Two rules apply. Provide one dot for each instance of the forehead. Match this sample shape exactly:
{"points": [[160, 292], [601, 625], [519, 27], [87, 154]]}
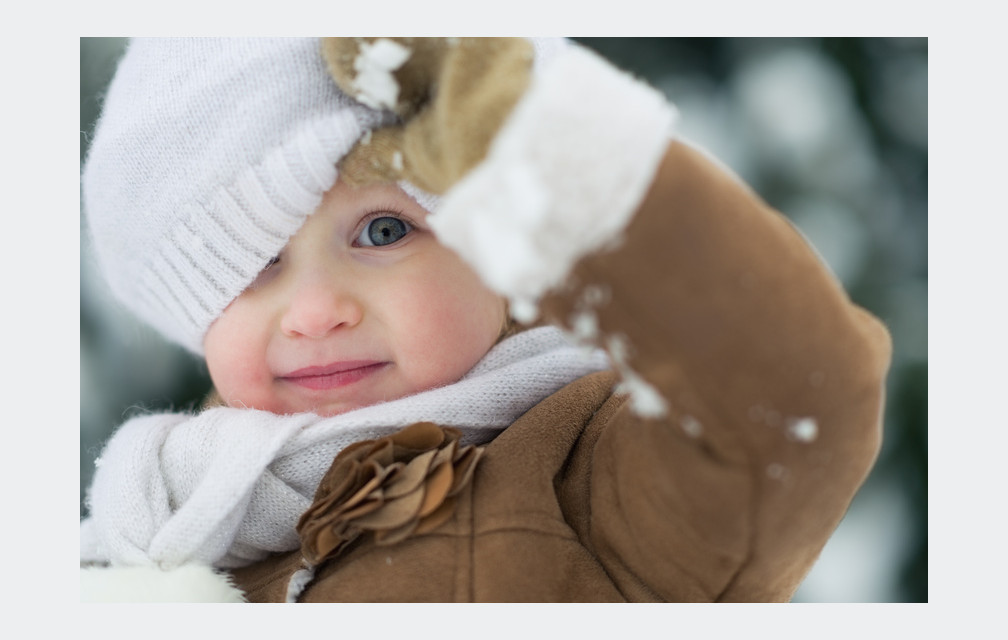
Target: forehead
{"points": [[342, 197]]}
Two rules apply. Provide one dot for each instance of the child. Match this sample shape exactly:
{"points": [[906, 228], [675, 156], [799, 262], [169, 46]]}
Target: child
{"points": [[381, 247]]}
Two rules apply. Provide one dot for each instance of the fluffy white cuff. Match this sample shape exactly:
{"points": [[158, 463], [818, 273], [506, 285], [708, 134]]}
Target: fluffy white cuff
{"points": [[188, 583], [562, 178]]}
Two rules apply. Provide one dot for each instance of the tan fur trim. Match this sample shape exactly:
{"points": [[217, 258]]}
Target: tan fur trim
{"points": [[453, 94]]}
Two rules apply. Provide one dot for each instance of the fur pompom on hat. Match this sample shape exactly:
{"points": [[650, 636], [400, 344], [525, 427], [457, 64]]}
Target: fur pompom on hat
{"points": [[208, 156]]}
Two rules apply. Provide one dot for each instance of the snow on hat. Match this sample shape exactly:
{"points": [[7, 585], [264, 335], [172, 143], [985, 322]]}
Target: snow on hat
{"points": [[208, 156]]}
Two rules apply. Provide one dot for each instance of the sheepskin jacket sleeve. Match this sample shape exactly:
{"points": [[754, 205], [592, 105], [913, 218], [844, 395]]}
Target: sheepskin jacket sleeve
{"points": [[771, 384]]}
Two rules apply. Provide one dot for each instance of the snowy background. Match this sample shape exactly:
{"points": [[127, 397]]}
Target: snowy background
{"points": [[832, 132]]}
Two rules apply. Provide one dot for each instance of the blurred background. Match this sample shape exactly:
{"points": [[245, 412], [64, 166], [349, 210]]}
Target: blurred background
{"points": [[832, 132]]}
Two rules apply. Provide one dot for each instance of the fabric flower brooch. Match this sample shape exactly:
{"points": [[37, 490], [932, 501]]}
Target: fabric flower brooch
{"points": [[401, 485]]}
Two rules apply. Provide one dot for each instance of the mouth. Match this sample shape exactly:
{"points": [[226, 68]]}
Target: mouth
{"points": [[334, 375]]}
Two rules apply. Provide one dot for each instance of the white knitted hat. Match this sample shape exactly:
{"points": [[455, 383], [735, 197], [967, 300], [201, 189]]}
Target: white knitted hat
{"points": [[208, 156]]}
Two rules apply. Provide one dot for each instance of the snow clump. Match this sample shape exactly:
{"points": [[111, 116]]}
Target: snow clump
{"points": [[375, 84], [691, 426], [584, 325], [645, 400], [803, 429]]}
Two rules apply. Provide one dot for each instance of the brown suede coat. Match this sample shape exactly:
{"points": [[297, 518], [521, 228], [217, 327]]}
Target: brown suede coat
{"points": [[731, 316]]}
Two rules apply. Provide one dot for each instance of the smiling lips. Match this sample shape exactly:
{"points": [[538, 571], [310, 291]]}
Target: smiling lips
{"points": [[335, 375]]}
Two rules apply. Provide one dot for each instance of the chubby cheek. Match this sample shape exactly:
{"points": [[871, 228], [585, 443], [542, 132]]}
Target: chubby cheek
{"points": [[235, 356], [453, 321]]}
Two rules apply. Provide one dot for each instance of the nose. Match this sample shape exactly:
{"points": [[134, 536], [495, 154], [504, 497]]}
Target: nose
{"points": [[318, 306]]}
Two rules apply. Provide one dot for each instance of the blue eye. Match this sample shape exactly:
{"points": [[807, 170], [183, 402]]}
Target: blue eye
{"points": [[383, 231]]}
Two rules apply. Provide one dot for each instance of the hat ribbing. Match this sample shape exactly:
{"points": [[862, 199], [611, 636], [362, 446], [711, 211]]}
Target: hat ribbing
{"points": [[208, 156]]}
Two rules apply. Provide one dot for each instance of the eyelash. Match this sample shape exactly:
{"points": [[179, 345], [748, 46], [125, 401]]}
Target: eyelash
{"points": [[383, 212]]}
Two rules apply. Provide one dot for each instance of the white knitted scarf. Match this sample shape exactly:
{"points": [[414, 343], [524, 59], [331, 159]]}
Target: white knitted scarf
{"points": [[226, 487]]}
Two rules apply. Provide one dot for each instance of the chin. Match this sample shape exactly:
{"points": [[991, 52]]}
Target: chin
{"points": [[328, 411]]}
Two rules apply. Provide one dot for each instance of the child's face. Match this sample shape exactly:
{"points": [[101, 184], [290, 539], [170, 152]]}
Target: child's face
{"points": [[362, 305]]}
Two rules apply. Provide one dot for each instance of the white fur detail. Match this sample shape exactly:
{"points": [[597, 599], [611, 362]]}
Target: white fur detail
{"points": [[188, 583], [562, 179], [298, 582]]}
